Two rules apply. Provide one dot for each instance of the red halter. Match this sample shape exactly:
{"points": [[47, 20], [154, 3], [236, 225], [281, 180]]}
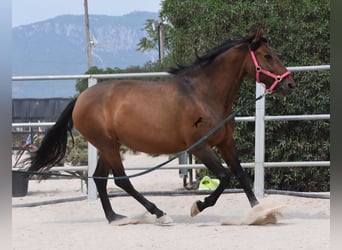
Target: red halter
{"points": [[258, 70]]}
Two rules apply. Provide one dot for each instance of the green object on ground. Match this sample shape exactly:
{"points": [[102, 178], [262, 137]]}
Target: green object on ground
{"points": [[208, 184]]}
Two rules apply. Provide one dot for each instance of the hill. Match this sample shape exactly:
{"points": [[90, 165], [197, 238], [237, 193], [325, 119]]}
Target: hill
{"points": [[57, 47]]}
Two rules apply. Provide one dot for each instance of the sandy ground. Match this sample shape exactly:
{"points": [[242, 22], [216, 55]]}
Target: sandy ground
{"points": [[82, 225]]}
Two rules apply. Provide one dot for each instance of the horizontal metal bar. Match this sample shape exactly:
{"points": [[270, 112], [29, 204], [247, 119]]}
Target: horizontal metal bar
{"points": [[49, 77], [87, 76], [130, 75], [63, 168], [298, 164], [245, 119], [297, 117], [191, 166], [201, 166], [33, 124], [244, 165], [309, 68], [48, 124], [285, 117], [69, 168], [320, 195], [238, 119], [135, 75]]}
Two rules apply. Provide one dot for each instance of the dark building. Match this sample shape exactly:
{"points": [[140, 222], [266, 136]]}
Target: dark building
{"points": [[37, 110]]}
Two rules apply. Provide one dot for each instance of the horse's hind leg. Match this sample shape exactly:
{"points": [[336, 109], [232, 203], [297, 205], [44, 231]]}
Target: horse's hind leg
{"points": [[101, 184], [125, 184]]}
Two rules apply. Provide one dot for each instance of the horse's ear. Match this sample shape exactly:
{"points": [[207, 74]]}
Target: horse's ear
{"points": [[257, 39], [258, 35]]}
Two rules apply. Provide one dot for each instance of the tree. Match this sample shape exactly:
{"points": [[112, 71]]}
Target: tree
{"points": [[82, 85], [150, 41], [200, 24], [299, 30]]}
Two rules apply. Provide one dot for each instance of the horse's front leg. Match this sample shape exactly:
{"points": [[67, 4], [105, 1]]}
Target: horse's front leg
{"points": [[205, 154], [229, 153]]}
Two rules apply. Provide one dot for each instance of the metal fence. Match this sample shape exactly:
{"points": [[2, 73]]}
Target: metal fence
{"points": [[260, 119]]}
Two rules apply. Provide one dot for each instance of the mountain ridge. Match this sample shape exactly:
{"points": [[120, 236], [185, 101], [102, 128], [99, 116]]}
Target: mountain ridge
{"points": [[57, 46]]}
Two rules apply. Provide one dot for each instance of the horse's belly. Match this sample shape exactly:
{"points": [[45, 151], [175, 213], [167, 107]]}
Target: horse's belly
{"points": [[157, 144]]}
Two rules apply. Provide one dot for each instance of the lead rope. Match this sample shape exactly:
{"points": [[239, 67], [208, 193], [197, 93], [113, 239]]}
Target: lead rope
{"points": [[199, 141]]}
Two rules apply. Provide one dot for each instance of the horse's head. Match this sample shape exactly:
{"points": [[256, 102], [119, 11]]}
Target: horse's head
{"points": [[266, 68]]}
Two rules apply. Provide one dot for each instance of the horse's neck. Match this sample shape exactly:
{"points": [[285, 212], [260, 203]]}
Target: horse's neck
{"points": [[223, 80]]}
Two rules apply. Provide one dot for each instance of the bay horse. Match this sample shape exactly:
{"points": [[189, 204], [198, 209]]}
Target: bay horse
{"points": [[168, 117]]}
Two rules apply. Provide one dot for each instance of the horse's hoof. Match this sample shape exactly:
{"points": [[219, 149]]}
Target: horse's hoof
{"points": [[194, 210], [118, 220], [164, 220]]}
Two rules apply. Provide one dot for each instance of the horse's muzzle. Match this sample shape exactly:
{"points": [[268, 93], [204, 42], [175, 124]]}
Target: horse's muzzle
{"points": [[286, 87]]}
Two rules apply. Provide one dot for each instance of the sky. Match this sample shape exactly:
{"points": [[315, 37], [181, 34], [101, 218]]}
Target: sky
{"points": [[31, 11]]}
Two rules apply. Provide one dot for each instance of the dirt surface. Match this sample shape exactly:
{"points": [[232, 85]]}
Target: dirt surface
{"points": [[81, 224]]}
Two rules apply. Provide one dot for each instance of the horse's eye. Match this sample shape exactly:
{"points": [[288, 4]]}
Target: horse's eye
{"points": [[268, 57]]}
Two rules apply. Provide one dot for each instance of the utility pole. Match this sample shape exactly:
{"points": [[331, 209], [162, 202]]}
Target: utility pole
{"points": [[92, 152], [86, 19], [161, 39]]}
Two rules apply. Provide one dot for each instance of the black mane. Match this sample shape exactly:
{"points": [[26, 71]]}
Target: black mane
{"points": [[210, 55]]}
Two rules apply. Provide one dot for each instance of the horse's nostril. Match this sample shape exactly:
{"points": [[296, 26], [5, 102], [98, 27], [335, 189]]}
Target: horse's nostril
{"points": [[291, 85]]}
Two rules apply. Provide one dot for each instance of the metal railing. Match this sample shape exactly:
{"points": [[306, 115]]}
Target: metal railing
{"points": [[260, 118]]}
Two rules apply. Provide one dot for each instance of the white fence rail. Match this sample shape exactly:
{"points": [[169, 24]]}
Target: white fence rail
{"points": [[260, 118]]}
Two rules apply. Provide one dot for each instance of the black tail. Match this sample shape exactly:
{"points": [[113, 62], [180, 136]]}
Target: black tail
{"points": [[54, 144]]}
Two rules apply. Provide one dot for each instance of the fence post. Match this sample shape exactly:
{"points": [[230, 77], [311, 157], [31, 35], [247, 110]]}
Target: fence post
{"points": [[259, 152], [183, 173], [92, 159]]}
